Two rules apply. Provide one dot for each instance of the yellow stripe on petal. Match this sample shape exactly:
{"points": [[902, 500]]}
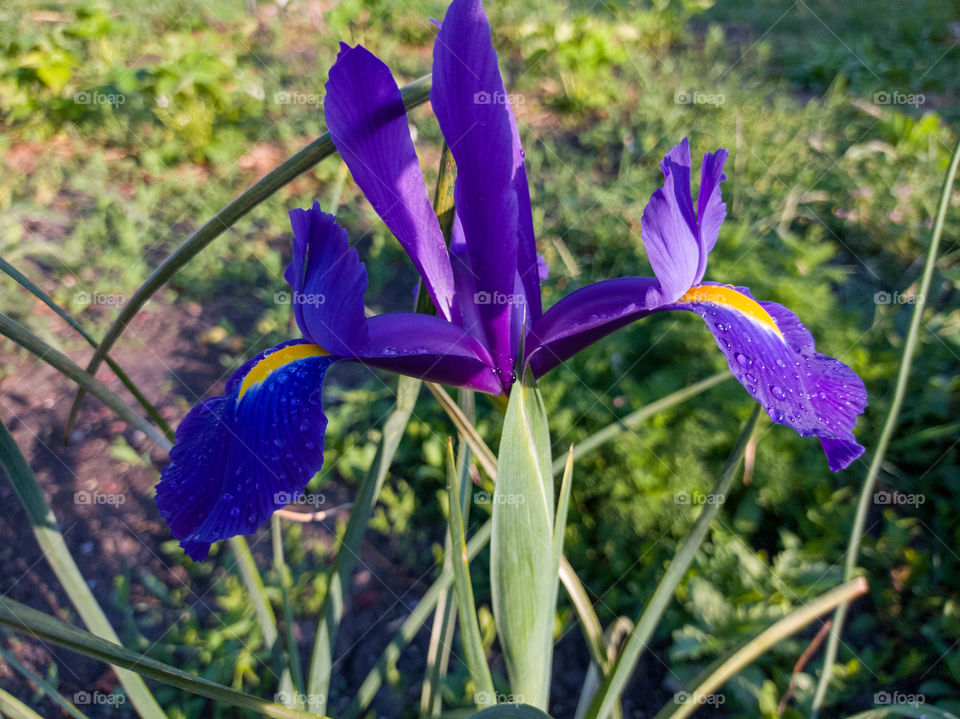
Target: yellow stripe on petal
{"points": [[275, 360], [731, 299]]}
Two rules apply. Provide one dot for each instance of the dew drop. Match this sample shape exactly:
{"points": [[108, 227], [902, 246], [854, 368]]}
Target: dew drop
{"points": [[780, 363], [743, 360], [235, 512], [778, 392]]}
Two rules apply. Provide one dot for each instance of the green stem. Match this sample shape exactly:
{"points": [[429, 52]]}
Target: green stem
{"points": [[416, 93], [609, 694], [65, 316], [48, 629], [890, 425], [756, 647], [286, 585]]}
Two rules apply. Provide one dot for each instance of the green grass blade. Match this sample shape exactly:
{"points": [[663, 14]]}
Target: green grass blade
{"points": [[286, 584], [26, 339], [65, 316], [48, 629], [42, 684], [250, 574], [416, 93], [748, 653], [55, 551], [627, 423], [473, 652], [609, 694], [444, 619], [592, 629], [889, 426], [318, 681], [410, 627], [13, 708]]}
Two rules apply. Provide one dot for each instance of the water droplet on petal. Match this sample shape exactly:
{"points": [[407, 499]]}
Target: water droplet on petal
{"points": [[778, 392], [743, 360]]}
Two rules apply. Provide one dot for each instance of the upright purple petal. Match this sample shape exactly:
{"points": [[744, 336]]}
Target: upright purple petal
{"points": [[241, 456], [711, 210], [471, 105], [327, 282], [368, 124]]}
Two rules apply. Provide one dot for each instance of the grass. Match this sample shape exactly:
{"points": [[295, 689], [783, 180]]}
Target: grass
{"points": [[829, 196]]}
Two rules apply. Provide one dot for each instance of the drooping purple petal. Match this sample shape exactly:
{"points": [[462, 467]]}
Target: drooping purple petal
{"points": [[587, 315], [471, 105], [432, 349], [241, 456], [327, 282], [368, 123], [773, 356]]}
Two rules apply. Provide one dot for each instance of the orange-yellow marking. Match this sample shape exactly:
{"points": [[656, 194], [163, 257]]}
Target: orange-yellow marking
{"points": [[729, 297], [275, 360]]}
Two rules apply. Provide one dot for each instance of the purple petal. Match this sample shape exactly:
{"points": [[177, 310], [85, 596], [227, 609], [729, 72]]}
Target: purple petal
{"points": [[368, 124], [711, 210], [471, 106], [327, 281], [240, 457], [430, 348], [587, 315], [773, 356]]}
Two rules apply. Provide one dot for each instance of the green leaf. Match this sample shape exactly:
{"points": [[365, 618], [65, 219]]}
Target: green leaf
{"points": [[65, 316], [48, 629], [889, 427], [55, 551], [13, 708], [26, 339], [331, 613], [42, 684], [609, 694], [686, 703], [523, 568], [469, 629]]}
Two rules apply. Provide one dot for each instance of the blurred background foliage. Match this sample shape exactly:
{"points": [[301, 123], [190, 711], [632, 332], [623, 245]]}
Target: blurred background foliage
{"points": [[125, 126]]}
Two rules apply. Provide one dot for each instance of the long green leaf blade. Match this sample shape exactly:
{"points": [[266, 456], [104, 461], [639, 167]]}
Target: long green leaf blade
{"points": [[26, 339], [609, 694], [55, 551], [469, 628], [46, 628], [331, 613], [889, 426]]}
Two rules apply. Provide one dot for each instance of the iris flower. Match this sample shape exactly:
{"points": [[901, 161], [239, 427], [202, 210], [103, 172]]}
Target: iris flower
{"points": [[241, 456]]}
